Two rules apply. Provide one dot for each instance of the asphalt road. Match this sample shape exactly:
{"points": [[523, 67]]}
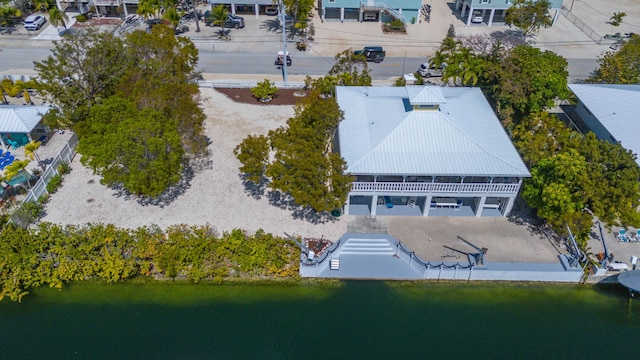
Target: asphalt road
{"points": [[216, 62]]}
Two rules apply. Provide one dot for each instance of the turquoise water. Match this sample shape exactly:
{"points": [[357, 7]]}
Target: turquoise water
{"points": [[307, 320]]}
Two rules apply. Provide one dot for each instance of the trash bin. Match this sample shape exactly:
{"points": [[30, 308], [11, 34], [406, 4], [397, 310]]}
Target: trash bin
{"points": [[336, 213]]}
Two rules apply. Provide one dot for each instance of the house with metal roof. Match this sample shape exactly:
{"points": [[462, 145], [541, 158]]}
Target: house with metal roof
{"points": [[426, 151], [19, 122], [611, 112]]}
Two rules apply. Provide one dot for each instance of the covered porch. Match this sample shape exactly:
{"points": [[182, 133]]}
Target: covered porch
{"points": [[20, 124], [394, 205]]}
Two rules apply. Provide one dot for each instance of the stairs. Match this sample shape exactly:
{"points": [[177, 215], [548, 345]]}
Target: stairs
{"points": [[368, 246]]}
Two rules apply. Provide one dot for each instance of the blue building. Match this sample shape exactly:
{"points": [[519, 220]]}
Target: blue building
{"points": [[491, 12], [370, 10]]}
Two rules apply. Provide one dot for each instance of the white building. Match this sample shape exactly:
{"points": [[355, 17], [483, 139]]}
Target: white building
{"points": [[426, 151], [611, 112]]}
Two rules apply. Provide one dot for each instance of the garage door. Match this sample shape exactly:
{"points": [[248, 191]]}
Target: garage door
{"points": [[332, 13]]}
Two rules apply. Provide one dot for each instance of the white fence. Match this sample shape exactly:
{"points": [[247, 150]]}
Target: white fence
{"points": [[65, 155]]}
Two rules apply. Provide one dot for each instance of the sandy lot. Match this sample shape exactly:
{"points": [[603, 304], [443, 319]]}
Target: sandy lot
{"points": [[216, 194]]}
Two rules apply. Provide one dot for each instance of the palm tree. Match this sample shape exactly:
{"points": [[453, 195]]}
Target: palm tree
{"points": [[30, 150], [173, 16], [148, 8], [16, 168], [57, 17], [220, 15]]}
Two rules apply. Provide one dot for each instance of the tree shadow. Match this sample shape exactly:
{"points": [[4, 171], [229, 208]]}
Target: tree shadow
{"points": [[286, 202], [171, 193], [255, 190], [271, 25]]}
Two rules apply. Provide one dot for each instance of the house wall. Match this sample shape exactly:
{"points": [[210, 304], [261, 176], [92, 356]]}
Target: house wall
{"points": [[593, 123], [503, 4], [409, 8]]}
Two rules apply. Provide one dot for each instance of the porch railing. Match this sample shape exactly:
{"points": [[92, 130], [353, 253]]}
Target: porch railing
{"points": [[435, 187]]}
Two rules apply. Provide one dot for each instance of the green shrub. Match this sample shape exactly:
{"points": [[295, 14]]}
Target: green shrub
{"points": [[401, 81], [81, 18], [64, 168], [265, 90], [396, 24], [27, 214], [54, 183]]}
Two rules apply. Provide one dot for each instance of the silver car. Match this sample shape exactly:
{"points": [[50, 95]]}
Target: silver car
{"points": [[426, 70], [34, 22]]}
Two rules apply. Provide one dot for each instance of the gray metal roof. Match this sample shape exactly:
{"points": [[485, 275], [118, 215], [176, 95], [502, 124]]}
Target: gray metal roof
{"points": [[381, 134], [616, 107], [20, 118]]}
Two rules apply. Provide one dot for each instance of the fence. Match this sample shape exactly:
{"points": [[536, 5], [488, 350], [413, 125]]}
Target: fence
{"points": [[40, 188], [582, 26], [247, 84]]}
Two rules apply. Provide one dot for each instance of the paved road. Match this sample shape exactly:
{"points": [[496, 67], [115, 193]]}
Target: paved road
{"points": [[217, 62]]}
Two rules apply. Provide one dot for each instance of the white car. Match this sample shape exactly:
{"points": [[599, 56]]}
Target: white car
{"points": [[427, 70], [477, 19], [34, 22]]}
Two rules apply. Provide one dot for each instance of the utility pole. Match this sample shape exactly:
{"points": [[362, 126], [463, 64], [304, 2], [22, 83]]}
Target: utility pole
{"points": [[284, 41]]}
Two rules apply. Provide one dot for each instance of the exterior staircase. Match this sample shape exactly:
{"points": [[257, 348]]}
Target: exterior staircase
{"points": [[371, 5], [368, 246]]}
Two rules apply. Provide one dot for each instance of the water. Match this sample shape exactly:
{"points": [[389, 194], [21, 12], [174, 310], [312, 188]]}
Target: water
{"points": [[309, 320]]}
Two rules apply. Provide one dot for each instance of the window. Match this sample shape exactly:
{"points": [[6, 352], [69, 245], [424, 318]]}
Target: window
{"points": [[485, 1], [332, 1]]}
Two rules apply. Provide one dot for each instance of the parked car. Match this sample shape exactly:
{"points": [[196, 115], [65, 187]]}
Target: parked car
{"points": [[233, 21], [477, 18], [271, 10], [427, 70], [372, 53], [34, 22], [280, 59]]}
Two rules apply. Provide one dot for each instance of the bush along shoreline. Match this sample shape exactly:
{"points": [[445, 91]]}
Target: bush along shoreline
{"points": [[53, 255]]}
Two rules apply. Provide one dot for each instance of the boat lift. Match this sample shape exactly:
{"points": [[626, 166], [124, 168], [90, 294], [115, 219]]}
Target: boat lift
{"points": [[474, 258]]}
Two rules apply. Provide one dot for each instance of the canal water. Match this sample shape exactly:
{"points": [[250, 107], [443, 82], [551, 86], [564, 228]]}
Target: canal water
{"points": [[311, 320]]}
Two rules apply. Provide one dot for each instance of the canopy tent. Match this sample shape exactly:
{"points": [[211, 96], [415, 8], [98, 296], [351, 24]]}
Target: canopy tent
{"points": [[21, 119]]}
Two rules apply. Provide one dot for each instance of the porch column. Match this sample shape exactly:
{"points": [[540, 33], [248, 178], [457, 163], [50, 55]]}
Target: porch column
{"points": [[555, 17], [341, 14], [493, 11], [483, 198], [256, 7], [4, 146], [124, 7], [469, 16], [507, 209], [374, 205], [360, 15], [427, 206], [346, 206], [233, 8], [464, 10]]}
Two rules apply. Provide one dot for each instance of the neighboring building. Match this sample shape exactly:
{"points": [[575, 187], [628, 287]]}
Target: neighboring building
{"points": [[493, 11], [370, 10], [20, 124], [245, 7], [611, 111], [426, 151]]}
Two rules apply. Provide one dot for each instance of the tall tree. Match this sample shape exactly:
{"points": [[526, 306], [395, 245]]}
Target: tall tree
{"points": [[301, 162], [620, 67], [558, 189], [82, 70], [138, 149], [58, 17], [529, 16], [527, 80]]}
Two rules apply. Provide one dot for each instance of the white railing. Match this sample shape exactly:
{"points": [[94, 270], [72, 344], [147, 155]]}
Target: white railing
{"points": [[40, 188], [435, 187]]}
